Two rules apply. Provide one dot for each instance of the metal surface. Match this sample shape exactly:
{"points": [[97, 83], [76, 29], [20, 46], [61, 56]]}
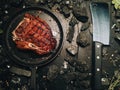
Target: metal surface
{"points": [[101, 22]]}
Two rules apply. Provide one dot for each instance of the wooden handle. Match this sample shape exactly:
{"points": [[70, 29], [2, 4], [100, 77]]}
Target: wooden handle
{"points": [[97, 72]]}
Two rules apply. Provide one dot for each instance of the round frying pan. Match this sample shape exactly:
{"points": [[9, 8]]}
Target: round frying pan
{"points": [[30, 58]]}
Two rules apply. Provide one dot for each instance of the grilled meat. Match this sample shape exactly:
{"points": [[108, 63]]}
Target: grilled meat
{"points": [[33, 33]]}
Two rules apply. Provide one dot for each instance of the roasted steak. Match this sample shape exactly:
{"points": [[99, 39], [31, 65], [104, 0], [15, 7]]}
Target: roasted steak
{"points": [[33, 33]]}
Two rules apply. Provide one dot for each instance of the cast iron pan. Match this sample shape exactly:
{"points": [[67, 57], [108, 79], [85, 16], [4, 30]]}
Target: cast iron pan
{"points": [[30, 58]]}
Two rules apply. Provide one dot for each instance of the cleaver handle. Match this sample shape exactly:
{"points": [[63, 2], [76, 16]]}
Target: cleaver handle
{"points": [[97, 65]]}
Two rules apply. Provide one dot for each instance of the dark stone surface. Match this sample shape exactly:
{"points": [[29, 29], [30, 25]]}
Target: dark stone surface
{"points": [[66, 72]]}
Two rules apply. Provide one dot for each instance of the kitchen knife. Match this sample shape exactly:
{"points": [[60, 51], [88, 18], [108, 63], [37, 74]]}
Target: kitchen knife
{"points": [[101, 35]]}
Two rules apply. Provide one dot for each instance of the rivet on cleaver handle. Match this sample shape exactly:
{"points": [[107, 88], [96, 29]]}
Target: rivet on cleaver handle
{"points": [[101, 35]]}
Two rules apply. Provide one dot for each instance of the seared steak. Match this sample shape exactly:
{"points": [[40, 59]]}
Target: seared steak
{"points": [[33, 33]]}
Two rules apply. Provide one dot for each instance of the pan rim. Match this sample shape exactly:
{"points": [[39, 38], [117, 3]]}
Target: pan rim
{"points": [[42, 62]]}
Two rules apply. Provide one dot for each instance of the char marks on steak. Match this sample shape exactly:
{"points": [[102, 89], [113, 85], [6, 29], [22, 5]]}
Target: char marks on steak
{"points": [[33, 33]]}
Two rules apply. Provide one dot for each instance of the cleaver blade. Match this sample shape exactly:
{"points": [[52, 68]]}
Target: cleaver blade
{"points": [[101, 36], [101, 22]]}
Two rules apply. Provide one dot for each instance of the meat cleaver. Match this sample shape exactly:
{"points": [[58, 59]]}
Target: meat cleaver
{"points": [[101, 35]]}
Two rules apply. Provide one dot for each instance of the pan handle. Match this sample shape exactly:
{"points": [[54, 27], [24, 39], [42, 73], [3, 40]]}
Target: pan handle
{"points": [[33, 78]]}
